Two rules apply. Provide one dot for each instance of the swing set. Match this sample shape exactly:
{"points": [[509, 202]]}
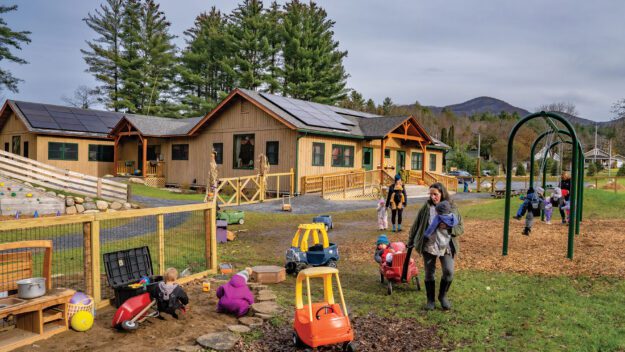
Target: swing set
{"points": [[553, 137]]}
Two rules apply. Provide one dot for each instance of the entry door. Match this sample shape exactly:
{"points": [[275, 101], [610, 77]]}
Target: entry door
{"points": [[401, 160], [367, 158], [140, 157]]}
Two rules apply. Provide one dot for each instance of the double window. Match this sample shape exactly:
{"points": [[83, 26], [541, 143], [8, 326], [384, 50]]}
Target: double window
{"points": [[342, 155], [218, 149], [62, 151], [243, 151], [272, 149], [99, 152], [319, 154], [179, 152], [416, 161], [432, 162]]}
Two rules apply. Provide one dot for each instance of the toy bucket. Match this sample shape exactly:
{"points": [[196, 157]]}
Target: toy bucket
{"points": [[85, 304]]}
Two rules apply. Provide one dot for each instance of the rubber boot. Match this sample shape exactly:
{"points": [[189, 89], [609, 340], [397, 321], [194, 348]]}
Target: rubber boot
{"points": [[526, 231], [393, 227], [430, 290], [399, 227], [442, 294]]}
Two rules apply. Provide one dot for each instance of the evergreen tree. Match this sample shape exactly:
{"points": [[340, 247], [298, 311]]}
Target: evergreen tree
{"points": [[621, 170], [520, 170], [555, 169], [103, 55], [204, 75], [274, 37], [444, 135], [592, 169], [451, 136], [313, 64], [249, 36], [353, 101], [131, 61], [9, 38], [387, 106], [370, 106], [599, 166]]}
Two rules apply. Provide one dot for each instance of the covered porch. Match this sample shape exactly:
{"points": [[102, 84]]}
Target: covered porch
{"points": [[134, 154]]}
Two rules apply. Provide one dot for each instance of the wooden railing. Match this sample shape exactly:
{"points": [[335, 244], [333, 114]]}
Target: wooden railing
{"points": [[313, 183], [499, 182], [155, 169], [415, 177], [450, 182], [90, 273], [360, 180], [126, 167], [254, 188], [50, 177]]}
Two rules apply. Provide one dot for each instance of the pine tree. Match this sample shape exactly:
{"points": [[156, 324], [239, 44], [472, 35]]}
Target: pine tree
{"points": [[370, 106], [592, 169], [131, 62], [273, 19], [520, 170], [252, 53], [353, 101], [9, 38], [103, 56], [621, 170], [387, 106], [203, 69], [451, 136], [313, 64], [444, 135]]}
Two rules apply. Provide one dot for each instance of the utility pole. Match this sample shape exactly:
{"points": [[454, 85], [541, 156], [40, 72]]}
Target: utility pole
{"points": [[595, 144], [610, 159]]}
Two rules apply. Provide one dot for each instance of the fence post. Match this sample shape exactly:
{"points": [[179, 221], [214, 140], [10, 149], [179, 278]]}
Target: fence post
{"points": [[492, 186], [160, 230], [323, 186], [128, 192], [292, 182], [210, 237], [238, 191], [95, 260], [99, 188], [344, 186], [87, 256], [479, 184], [615, 183], [596, 182]]}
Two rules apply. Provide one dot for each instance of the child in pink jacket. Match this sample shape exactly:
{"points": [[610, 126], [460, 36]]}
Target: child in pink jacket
{"points": [[235, 297]]}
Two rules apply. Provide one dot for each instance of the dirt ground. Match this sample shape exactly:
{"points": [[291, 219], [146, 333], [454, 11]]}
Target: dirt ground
{"points": [[153, 334]]}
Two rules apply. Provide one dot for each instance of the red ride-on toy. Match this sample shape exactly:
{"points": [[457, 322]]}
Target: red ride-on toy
{"points": [[393, 273], [135, 310]]}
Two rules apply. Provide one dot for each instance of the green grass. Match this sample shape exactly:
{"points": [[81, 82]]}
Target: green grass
{"points": [[152, 192]]}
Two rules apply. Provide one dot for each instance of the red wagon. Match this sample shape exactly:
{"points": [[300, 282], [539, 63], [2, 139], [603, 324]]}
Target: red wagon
{"points": [[392, 274]]}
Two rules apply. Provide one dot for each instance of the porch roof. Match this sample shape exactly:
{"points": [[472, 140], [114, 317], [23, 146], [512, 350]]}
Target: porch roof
{"points": [[151, 126]]}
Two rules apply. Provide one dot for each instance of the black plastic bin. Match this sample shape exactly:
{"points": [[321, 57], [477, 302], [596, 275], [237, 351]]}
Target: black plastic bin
{"points": [[127, 267]]}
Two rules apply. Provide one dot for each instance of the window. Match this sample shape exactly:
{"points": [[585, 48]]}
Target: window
{"points": [[179, 152], [17, 141], [387, 153], [243, 151], [416, 161], [101, 153], [319, 154], [7, 147], [272, 152], [62, 151], [218, 149], [432, 162], [25, 149], [342, 155]]}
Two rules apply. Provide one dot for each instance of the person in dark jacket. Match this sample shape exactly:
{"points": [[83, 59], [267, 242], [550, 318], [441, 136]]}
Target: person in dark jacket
{"points": [[442, 244], [396, 200], [565, 186], [533, 204], [171, 297]]}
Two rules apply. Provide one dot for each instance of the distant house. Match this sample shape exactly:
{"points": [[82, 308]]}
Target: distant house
{"points": [[603, 157], [550, 155]]}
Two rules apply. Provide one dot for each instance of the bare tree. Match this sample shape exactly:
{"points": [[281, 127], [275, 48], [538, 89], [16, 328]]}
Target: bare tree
{"points": [[563, 107], [83, 97]]}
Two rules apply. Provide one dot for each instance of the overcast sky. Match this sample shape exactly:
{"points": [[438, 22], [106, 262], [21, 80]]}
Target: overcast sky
{"points": [[527, 53]]}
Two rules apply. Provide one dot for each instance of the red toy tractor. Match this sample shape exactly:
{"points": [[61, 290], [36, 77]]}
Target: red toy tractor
{"points": [[321, 323], [393, 273]]}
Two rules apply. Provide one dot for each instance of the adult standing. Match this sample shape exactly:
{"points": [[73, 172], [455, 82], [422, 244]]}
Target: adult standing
{"points": [[565, 187], [396, 200], [442, 244]]}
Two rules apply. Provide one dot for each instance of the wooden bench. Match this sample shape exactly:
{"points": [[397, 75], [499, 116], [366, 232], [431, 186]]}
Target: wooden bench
{"points": [[38, 318]]}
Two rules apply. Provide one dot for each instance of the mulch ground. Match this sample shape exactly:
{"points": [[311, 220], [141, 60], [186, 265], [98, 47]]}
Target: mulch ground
{"points": [[598, 249], [373, 333]]}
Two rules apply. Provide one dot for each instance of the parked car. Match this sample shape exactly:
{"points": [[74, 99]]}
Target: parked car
{"points": [[462, 176]]}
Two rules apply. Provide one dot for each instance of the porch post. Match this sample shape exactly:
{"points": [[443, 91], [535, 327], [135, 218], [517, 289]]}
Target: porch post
{"points": [[382, 147], [423, 161], [144, 167], [115, 146]]}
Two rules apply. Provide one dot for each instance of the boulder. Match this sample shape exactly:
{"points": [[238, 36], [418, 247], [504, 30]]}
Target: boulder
{"points": [[62, 196], [69, 202], [40, 189], [265, 307], [50, 193], [263, 316], [80, 209], [241, 329], [110, 210], [219, 341], [136, 180], [127, 206], [91, 211], [134, 206], [101, 205], [108, 176], [252, 322], [90, 206], [79, 200], [71, 210], [88, 199], [116, 205], [266, 296]]}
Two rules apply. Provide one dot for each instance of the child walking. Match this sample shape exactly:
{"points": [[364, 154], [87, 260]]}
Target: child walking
{"points": [[382, 215], [235, 297], [171, 297], [532, 205]]}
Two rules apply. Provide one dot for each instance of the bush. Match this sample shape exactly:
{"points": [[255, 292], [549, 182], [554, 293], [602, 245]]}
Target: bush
{"points": [[621, 170], [599, 166], [555, 169], [592, 170], [520, 170]]}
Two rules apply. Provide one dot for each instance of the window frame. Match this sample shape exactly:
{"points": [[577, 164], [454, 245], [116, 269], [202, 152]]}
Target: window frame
{"points": [[99, 153], [219, 153], [322, 154], [341, 155], [178, 157], [235, 159], [63, 151], [432, 158], [277, 152], [417, 162], [16, 145], [26, 149]]}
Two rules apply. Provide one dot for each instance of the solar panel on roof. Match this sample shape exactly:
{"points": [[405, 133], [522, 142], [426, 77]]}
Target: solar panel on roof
{"points": [[308, 113], [68, 119], [45, 125]]}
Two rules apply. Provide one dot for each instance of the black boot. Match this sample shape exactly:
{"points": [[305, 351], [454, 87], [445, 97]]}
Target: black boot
{"points": [[430, 289], [526, 231], [442, 294]]}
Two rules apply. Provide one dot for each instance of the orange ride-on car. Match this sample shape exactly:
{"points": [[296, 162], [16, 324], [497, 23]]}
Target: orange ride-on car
{"points": [[321, 323], [392, 273]]}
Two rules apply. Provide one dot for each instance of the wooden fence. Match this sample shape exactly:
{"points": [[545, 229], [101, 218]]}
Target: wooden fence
{"points": [[93, 224], [496, 181], [234, 191], [38, 173]]}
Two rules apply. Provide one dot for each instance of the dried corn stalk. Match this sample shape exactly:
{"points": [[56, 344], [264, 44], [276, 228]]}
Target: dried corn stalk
{"points": [[212, 180]]}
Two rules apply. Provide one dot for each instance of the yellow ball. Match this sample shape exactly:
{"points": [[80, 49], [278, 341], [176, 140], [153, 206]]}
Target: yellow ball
{"points": [[29, 195], [82, 321]]}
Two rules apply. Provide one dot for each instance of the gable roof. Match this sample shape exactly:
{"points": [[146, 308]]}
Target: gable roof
{"points": [[159, 126]]}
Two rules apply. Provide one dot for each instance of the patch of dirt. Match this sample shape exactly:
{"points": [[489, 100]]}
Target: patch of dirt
{"points": [[153, 334], [612, 185], [372, 333]]}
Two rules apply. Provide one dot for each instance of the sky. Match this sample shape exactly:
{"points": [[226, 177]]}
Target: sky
{"points": [[527, 53]]}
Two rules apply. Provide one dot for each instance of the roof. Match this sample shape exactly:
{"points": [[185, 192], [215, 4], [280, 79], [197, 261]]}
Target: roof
{"points": [[380, 126], [599, 153], [161, 126]]}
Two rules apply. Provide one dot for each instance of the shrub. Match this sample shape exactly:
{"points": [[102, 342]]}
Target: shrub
{"points": [[592, 169], [621, 170], [520, 170]]}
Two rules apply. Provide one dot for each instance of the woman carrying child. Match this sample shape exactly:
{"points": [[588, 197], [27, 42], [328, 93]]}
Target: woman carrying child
{"points": [[442, 242]]}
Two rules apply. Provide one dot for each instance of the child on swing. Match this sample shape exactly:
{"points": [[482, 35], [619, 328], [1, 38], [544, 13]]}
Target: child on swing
{"points": [[532, 205]]}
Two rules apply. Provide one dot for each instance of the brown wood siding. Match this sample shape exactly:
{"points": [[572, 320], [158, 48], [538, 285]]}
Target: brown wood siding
{"points": [[306, 168], [82, 165], [15, 127], [221, 129]]}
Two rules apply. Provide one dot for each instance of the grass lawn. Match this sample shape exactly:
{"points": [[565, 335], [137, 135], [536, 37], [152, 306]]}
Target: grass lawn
{"points": [[153, 192]]}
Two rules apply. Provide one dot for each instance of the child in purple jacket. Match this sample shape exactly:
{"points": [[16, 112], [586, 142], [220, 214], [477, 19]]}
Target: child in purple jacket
{"points": [[235, 297]]}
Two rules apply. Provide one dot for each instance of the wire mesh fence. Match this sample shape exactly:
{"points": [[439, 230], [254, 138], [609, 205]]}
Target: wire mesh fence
{"points": [[185, 243]]}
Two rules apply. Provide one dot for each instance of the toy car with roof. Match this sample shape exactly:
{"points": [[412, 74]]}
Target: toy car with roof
{"points": [[324, 219], [321, 323], [303, 254], [232, 216], [392, 273]]}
